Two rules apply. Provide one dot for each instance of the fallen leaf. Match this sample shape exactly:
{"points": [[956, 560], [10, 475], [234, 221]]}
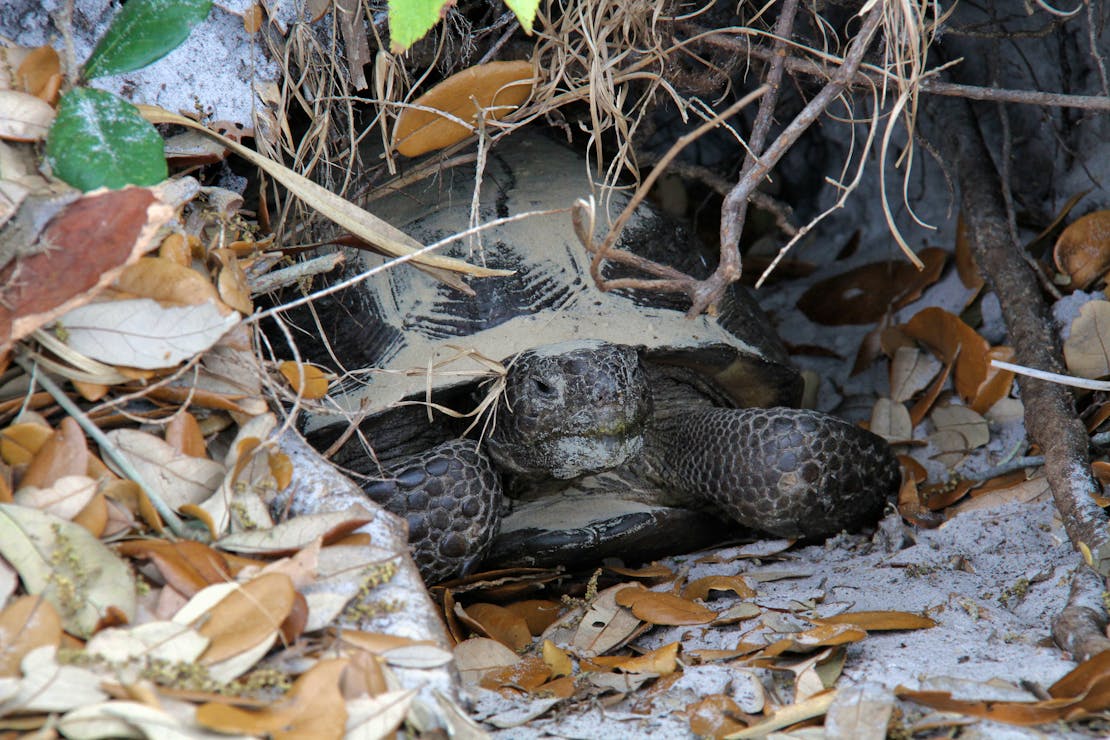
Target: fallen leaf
{"points": [[538, 614], [1087, 348], [557, 659], [891, 421], [183, 434], [313, 384], [880, 621], [63, 454], [168, 282], [700, 588], [74, 571], [27, 623], [142, 333], [956, 343], [313, 708], [971, 426], [865, 294], [823, 635], [1082, 251], [23, 116], [499, 623], [479, 655], [185, 565], [177, 478], [246, 617], [911, 371], [664, 609], [492, 90], [528, 674]]}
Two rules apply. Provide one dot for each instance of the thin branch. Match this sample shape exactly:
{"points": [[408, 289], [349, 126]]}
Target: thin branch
{"points": [[733, 41], [709, 291]]}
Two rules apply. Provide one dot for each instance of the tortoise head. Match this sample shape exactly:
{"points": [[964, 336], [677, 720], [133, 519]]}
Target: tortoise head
{"points": [[571, 408]]}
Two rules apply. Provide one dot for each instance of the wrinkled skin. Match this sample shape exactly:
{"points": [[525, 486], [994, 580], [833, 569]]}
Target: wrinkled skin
{"points": [[586, 407]]}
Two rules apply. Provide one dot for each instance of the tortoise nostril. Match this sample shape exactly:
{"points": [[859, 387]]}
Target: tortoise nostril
{"points": [[543, 387]]}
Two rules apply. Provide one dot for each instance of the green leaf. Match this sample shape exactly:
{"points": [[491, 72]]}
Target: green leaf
{"points": [[525, 11], [409, 20], [99, 140], [143, 32]]}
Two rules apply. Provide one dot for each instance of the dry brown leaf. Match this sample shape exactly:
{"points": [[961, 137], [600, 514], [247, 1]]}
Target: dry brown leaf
{"points": [[315, 379], [527, 674], [998, 383], [183, 434], [313, 708], [65, 498], [185, 565], [231, 281], [880, 621], [971, 426], [538, 614], [664, 609], [168, 282], [95, 516], [247, 616], [64, 453], [1087, 348], [867, 293], [20, 442], [178, 248], [499, 623], [661, 661], [27, 623], [495, 87], [716, 716], [647, 572], [1082, 251], [557, 659], [890, 420], [955, 342], [40, 74], [700, 588], [478, 655], [823, 635]]}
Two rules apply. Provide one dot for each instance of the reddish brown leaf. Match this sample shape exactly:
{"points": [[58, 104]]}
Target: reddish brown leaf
{"points": [[247, 616], [27, 623], [1082, 251], [881, 621], [502, 625], [869, 292], [186, 565], [965, 263], [89, 242], [955, 342]]}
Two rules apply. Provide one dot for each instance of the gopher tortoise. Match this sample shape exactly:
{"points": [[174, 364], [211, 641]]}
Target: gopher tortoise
{"points": [[618, 427]]}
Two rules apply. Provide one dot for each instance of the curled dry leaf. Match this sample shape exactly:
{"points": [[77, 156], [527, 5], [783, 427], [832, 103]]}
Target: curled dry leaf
{"points": [[64, 453], [499, 623], [1083, 250], [20, 441], [309, 381], [183, 434], [40, 74], [823, 635], [168, 282], [664, 609], [492, 90], [185, 565], [661, 661], [557, 659], [955, 342], [529, 674], [998, 383], [715, 716], [476, 656], [538, 614], [313, 707], [27, 623], [700, 588], [867, 293], [1087, 348]]}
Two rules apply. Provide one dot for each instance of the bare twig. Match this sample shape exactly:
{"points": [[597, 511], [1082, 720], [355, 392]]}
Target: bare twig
{"points": [[1049, 409], [736, 41], [709, 291]]}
